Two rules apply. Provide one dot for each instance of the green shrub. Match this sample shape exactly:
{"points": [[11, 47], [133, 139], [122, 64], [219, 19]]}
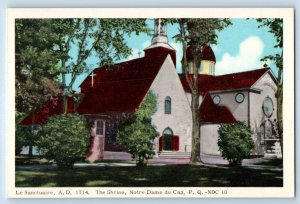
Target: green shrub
{"points": [[137, 134], [64, 138], [235, 142]]}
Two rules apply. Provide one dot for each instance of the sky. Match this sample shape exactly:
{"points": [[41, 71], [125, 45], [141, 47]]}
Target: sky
{"points": [[240, 48]]}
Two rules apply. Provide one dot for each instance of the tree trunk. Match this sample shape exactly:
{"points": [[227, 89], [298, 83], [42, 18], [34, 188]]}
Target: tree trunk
{"points": [[195, 154], [32, 134], [65, 102], [195, 157]]}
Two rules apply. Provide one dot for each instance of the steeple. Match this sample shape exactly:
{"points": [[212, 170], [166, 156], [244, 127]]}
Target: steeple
{"points": [[160, 38]]}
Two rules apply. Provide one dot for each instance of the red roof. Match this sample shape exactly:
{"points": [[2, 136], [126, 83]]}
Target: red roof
{"points": [[212, 113], [207, 54], [225, 82], [53, 106], [122, 88]]}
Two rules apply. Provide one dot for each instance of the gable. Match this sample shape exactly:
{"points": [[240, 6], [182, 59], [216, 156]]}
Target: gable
{"points": [[177, 114], [268, 79]]}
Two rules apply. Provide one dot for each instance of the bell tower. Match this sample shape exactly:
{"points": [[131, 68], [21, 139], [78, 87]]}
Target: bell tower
{"points": [[160, 38]]}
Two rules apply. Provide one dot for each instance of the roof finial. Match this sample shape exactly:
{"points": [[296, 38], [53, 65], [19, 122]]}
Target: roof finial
{"points": [[265, 63]]}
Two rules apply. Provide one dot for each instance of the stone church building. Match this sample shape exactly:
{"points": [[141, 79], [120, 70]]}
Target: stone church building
{"points": [[109, 94]]}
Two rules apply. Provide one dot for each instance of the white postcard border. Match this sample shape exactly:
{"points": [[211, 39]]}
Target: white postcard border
{"points": [[288, 103]]}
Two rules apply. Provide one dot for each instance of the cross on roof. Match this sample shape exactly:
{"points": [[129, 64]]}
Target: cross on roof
{"points": [[92, 75], [265, 62]]}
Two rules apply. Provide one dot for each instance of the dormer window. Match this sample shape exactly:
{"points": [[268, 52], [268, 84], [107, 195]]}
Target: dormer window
{"points": [[168, 105]]}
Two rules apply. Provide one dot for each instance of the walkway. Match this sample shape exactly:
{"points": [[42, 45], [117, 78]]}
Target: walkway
{"points": [[125, 159]]}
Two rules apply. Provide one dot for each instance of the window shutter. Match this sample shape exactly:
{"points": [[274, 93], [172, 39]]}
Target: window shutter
{"points": [[160, 143], [175, 143]]}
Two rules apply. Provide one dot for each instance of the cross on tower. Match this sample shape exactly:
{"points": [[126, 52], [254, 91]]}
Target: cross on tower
{"points": [[92, 75], [159, 27], [265, 63]]}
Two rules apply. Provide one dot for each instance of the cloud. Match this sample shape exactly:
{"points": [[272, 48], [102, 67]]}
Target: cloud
{"points": [[248, 58]]}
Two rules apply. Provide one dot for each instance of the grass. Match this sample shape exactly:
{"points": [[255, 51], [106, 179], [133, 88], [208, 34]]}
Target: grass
{"points": [[151, 176], [26, 160]]}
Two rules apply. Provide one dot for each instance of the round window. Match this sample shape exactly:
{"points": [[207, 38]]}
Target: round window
{"points": [[268, 107], [216, 99], [239, 97]]}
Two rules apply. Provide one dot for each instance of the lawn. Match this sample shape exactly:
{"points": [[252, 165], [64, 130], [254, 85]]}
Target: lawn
{"points": [[151, 176]]}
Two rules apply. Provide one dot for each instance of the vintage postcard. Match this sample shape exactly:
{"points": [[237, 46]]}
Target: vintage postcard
{"points": [[150, 103]]}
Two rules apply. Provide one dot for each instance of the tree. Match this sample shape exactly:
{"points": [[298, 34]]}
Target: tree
{"points": [[235, 142], [137, 134], [101, 38], [275, 26], [197, 33], [56, 49], [45, 55], [35, 83], [64, 138]]}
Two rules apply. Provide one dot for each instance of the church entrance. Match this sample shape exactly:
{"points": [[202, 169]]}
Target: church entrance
{"points": [[269, 137], [167, 140]]}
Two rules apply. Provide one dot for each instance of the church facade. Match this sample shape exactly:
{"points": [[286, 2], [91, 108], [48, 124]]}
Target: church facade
{"points": [[108, 95]]}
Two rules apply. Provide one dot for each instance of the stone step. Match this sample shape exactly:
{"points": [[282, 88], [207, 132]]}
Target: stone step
{"points": [[174, 154]]}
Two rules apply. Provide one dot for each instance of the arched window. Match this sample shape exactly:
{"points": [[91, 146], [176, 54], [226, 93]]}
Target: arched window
{"points": [[168, 105], [266, 132]]}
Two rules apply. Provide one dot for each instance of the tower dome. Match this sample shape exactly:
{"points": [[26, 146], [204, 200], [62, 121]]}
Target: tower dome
{"points": [[208, 60], [208, 54]]}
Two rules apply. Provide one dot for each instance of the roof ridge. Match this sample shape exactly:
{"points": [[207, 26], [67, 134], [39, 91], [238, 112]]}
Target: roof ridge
{"points": [[268, 68], [136, 59]]}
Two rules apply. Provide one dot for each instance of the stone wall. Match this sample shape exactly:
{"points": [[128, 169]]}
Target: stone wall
{"points": [[209, 139]]}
